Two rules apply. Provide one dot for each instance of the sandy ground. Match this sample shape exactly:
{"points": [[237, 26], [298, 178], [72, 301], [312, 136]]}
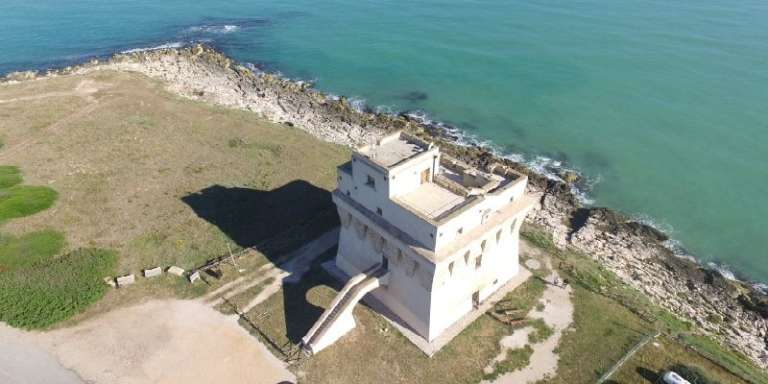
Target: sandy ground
{"points": [[558, 314], [168, 341], [161, 341], [25, 360]]}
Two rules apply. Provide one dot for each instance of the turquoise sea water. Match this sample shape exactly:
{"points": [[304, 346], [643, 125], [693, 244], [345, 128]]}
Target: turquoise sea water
{"points": [[663, 104]]}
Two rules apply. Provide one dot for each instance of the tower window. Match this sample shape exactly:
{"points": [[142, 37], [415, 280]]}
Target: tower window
{"points": [[379, 211], [460, 231], [450, 268], [478, 261], [498, 236], [370, 181], [466, 258]]}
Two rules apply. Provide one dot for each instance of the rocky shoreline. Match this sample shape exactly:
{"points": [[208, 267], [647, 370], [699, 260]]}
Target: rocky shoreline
{"points": [[733, 311]]}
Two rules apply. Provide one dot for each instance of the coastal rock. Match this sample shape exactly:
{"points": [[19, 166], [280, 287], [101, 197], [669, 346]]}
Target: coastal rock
{"points": [[634, 251], [570, 177], [21, 76]]}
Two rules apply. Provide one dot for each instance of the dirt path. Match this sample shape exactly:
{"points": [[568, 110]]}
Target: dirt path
{"points": [[557, 313], [297, 265], [161, 341], [168, 341]]}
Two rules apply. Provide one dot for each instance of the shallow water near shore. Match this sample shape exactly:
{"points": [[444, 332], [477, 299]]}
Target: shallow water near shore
{"points": [[663, 104]]}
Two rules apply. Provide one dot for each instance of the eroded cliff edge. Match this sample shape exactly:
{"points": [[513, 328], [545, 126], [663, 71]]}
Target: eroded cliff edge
{"points": [[731, 310]]}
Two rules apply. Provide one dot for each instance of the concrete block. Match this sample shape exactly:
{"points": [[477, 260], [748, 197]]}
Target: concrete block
{"points": [[193, 277], [125, 280], [174, 270], [153, 272], [110, 281]]}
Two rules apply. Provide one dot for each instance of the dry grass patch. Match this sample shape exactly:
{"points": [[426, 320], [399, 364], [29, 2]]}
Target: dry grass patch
{"points": [[374, 352], [126, 157]]}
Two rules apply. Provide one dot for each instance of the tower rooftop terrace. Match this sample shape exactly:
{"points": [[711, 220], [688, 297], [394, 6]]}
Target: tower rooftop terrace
{"points": [[394, 149]]}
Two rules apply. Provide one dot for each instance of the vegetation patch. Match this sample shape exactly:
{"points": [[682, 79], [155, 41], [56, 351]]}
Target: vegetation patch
{"points": [[49, 291], [731, 360], [23, 200], [541, 331], [9, 176], [38, 289], [515, 359], [664, 354], [29, 249], [610, 317]]}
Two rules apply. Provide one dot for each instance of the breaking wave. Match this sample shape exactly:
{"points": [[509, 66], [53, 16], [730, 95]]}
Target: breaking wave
{"points": [[545, 166], [214, 29], [175, 44]]}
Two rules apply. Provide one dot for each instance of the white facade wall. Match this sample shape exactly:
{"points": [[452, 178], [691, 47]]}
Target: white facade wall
{"points": [[452, 291], [377, 198], [410, 278]]}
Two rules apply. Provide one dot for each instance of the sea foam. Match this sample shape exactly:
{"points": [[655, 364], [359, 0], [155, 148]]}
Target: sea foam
{"points": [[175, 44], [214, 29]]}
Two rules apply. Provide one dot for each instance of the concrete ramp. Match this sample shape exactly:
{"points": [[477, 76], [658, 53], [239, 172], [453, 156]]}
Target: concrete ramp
{"points": [[337, 320]]}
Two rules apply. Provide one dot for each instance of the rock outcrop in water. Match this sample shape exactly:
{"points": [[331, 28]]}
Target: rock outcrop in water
{"points": [[731, 310]]}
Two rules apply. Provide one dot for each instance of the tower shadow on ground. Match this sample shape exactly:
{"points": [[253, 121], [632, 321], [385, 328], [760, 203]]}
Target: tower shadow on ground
{"points": [[251, 216], [258, 218]]}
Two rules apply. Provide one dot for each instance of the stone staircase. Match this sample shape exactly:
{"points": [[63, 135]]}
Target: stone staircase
{"points": [[337, 320]]}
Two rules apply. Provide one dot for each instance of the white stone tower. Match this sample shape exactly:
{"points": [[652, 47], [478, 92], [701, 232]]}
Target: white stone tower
{"points": [[428, 237]]}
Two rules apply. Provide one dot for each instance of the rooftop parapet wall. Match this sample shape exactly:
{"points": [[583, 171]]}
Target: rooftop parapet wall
{"points": [[390, 179], [394, 150]]}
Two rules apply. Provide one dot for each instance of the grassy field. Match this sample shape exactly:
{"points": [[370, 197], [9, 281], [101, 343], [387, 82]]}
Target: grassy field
{"points": [[30, 249], [374, 352], [38, 286], [160, 179], [611, 317], [654, 359], [21, 200], [9, 176], [53, 290], [24, 200]]}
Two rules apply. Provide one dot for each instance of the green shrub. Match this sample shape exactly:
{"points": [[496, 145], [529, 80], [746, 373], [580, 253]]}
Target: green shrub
{"points": [[9, 176], [24, 200], [538, 237], [29, 249], [46, 293], [541, 331], [514, 360]]}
